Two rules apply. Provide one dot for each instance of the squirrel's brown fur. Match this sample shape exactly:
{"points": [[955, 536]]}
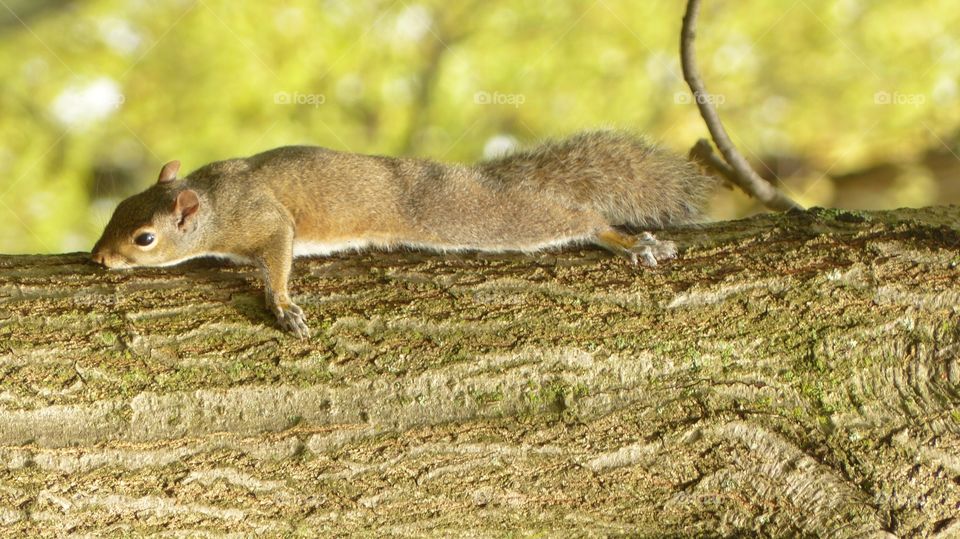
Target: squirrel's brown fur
{"points": [[308, 200], [625, 179]]}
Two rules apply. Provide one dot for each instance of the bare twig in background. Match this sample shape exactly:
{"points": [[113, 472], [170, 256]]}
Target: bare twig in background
{"points": [[739, 171], [427, 79], [18, 14], [448, 28]]}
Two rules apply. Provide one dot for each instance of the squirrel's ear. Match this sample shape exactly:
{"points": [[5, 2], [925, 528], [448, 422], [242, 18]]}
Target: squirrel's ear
{"points": [[185, 208], [169, 172]]}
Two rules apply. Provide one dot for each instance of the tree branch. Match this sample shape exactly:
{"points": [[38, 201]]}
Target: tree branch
{"points": [[740, 171], [564, 393]]}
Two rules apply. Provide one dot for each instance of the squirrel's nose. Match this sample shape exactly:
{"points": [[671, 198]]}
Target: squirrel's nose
{"points": [[98, 257]]}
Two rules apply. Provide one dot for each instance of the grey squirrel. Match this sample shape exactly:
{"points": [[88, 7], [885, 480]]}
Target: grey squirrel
{"points": [[302, 200]]}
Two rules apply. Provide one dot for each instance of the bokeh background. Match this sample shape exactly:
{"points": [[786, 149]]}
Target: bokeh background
{"points": [[850, 103]]}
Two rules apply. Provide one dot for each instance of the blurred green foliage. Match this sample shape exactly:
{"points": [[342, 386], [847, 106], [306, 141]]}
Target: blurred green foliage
{"points": [[97, 95]]}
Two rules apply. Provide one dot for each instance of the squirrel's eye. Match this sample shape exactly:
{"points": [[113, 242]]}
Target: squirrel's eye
{"points": [[144, 239]]}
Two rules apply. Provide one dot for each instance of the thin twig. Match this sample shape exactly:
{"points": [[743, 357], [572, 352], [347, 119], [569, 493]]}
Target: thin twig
{"points": [[740, 171]]}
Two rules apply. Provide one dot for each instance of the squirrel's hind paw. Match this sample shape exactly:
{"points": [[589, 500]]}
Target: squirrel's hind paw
{"points": [[649, 250], [644, 249], [292, 319]]}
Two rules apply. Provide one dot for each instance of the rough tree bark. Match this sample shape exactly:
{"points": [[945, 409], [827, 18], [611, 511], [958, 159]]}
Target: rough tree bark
{"points": [[788, 374]]}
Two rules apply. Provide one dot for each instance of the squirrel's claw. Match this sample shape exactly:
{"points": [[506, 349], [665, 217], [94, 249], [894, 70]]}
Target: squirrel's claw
{"points": [[292, 319], [652, 250], [648, 250], [644, 249]]}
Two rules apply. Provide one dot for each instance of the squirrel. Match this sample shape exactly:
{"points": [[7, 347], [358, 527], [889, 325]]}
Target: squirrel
{"points": [[266, 209]]}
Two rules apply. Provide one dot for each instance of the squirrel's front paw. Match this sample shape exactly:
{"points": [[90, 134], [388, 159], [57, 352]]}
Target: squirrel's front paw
{"points": [[648, 250], [292, 319]]}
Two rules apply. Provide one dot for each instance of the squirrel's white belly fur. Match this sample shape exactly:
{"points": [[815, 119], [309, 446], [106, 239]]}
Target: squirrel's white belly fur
{"points": [[302, 248], [320, 248]]}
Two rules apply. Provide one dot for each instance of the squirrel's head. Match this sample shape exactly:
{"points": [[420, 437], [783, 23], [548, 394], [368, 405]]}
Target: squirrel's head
{"points": [[153, 228]]}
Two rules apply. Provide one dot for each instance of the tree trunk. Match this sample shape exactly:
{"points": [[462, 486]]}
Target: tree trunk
{"points": [[788, 374]]}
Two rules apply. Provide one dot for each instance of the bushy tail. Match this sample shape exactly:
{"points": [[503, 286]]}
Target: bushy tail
{"points": [[626, 179]]}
